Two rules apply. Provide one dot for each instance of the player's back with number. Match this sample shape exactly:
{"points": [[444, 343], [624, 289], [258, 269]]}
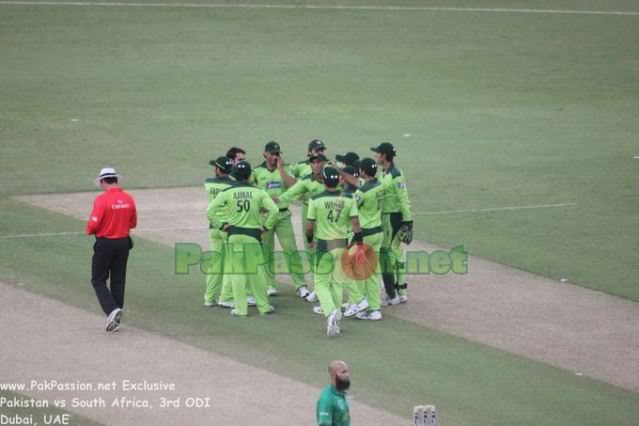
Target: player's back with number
{"points": [[332, 213], [241, 205]]}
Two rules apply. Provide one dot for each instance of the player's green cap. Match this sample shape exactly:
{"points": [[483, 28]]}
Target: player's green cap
{"points": [[317, 157], [385, 148], [349, 159], [224, 163], [241, 171], [316, 145], [331, 177], [272, 147], [369, 166]]}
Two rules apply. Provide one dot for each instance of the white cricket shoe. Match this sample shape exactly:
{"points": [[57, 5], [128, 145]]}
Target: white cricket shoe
{"points": [[356, 308], [312, 297], [403, 298], [226, 304], [271, 291], [389, 301], [235, 314], [209, 304], [332, 323], [270, 310], [318, 310], [302, 292], [113, 321], [371, 316], [251, 301]]}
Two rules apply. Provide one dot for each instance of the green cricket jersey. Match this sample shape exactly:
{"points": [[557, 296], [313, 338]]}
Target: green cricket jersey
{"points": [[332, 408], [395, 193], [307, 187], [301, 169], [241, 204], [370, 199], [270, 181], [332, 212], [214, 186]]}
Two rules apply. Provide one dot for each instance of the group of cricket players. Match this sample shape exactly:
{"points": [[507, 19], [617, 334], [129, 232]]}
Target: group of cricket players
{"points": [[355, 218]]}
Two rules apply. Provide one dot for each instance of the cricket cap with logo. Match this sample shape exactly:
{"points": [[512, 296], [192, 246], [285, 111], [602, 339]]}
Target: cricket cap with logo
{"points": [[316, 145], [385, 148], [349, 159], [331, 177], [107, 172], [223, 163], [272, 147], [242, 170], [369, 166]]}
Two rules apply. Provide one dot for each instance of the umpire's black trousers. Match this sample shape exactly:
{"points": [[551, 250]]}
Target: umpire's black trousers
{"points": [[109, 259]]}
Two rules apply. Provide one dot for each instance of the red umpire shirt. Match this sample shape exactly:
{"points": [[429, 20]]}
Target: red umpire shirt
{"points": [[113, 215]]}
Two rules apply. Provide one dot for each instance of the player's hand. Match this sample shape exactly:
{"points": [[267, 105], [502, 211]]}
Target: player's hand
{"points": [[280, 162], [226, 227], [312, 245], [276, 200], [406, 232]]}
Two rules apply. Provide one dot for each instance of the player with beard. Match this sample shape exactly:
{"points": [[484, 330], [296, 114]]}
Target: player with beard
{"points": [[332, 407]]}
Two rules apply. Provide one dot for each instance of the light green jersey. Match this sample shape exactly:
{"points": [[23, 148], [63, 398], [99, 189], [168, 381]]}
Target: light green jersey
{"points": [[395, 193], [241, 205], [301, 169], [332, 408], [270, 181], [332, 212], [370, 199], [306, 187], [214, 186]]}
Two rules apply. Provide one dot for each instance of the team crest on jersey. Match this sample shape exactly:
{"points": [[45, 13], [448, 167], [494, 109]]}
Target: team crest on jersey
{"points": [[273, 185]]}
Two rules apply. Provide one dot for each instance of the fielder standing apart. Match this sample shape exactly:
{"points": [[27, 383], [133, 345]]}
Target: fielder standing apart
{"points": [[332, 407], [113, 216]]}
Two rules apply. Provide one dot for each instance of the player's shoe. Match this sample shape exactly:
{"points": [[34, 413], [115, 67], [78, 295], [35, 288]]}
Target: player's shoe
{"points": [[270, 310], [209, 304], [113, 321], [403, 298], [251, 300], [318, 310], [271, 291], [235, 314], [356, 308], [370, 315], [332, 323], [302, 292], [389, 301], [312, 297], [226, 304]]}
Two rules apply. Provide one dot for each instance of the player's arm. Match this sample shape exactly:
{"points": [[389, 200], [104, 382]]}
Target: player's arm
{"points": [[352, 180], [271, 211], [324, 412], [286, 178], [406, 232], [310, 223], [96, 216], [216, 209], [294, 192]]}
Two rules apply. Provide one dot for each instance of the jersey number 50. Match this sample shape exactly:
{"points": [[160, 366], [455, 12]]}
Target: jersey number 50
{"points": [[243, 206]]}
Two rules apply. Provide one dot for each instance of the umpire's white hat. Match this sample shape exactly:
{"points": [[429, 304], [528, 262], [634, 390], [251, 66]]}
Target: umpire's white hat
{"points": [[107, 172]]}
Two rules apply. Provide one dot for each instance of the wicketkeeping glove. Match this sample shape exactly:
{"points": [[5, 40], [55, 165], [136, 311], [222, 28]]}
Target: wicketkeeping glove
{"points": [[406, 232]]}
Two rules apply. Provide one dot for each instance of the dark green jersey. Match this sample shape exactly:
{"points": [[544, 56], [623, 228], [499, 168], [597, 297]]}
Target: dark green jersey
{"points": [[332, 408], [370, 199], [332, 212], [395, 193], [214, 186], [241, 205], [270, 181], [306, 187]]}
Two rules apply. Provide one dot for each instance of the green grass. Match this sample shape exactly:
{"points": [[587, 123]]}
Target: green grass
{"points": [[503, 110], [396, 364]]}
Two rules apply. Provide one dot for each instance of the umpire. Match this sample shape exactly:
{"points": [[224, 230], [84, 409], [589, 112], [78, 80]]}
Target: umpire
{"points": [[113, 215]]}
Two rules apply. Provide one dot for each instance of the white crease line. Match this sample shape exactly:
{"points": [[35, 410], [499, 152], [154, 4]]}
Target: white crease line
{"points": [[327, 7], [55, 234], [494, 209]]}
